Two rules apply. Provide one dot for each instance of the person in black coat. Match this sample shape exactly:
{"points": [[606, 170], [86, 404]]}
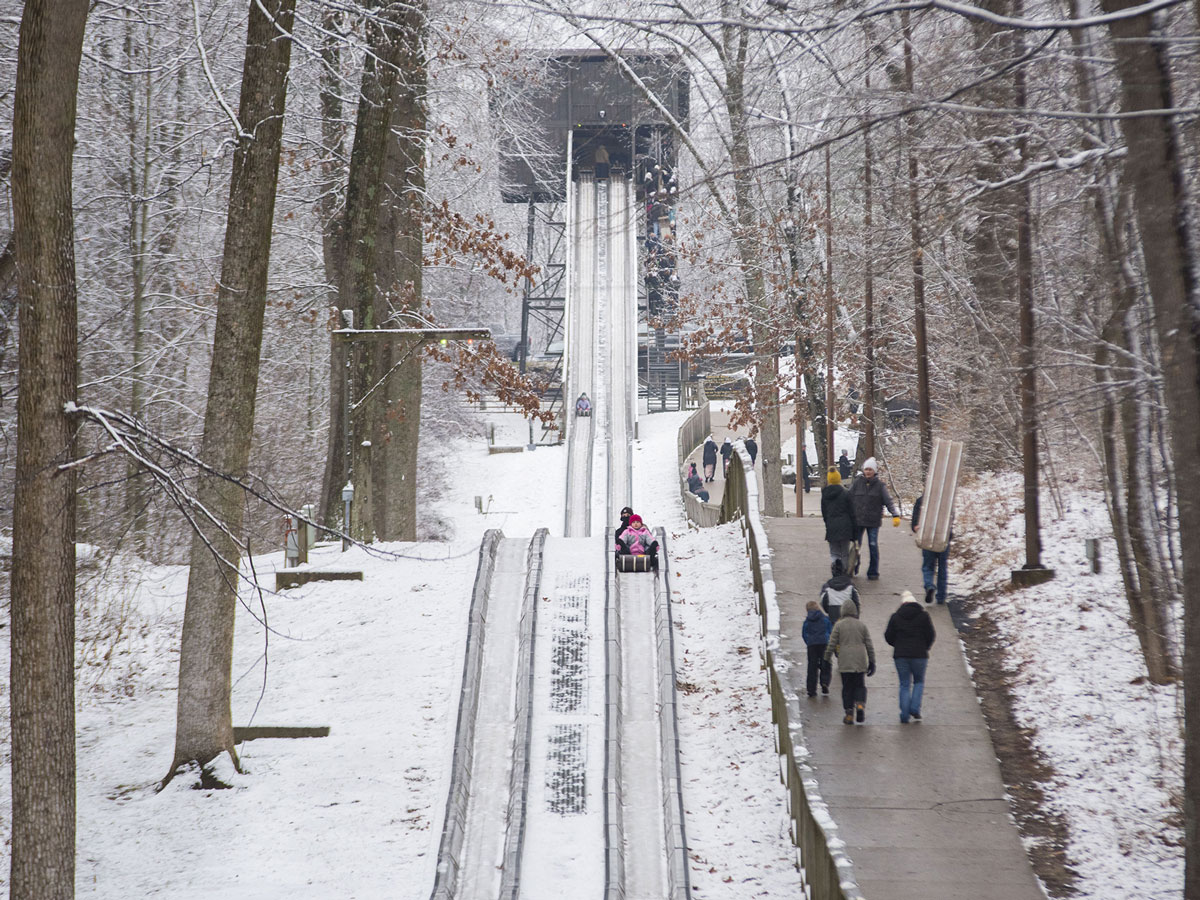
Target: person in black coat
{"points": [[845, 466], [870, 496], [726, 452], [751, 448], [710, 458], [804, 470], [838, 514], [910, 632]]}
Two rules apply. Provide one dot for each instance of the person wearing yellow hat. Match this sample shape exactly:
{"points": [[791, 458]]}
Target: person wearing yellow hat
{"points": [[838, 515]]}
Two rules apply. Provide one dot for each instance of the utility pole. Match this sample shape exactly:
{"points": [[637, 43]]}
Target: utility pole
{"points": [[800, 473], [918, 266], [1033, 572], [829, 395], [869, 291]]}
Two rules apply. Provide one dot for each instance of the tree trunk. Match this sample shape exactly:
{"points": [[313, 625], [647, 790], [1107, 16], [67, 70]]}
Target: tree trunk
{"points": [[204, 724], [917, 255], [1153, 168], [1148, 613], [868, 426], [766, 393], [42, 615], [993, 244], [366, 194], [397, 426], [333, 135]]}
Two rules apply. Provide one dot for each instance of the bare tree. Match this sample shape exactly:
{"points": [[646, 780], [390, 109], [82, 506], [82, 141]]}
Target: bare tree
{"points": [[1154, 170], [43, 576], [204, 724]]}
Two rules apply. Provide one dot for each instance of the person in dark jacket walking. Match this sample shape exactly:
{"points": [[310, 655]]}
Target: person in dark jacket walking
{"points": [[850, 642], [837, 592], [910, 632], [845, 466], [815, 632], [839, 519], [869, 495], [751, 448], [710, 459], [932, 561], [804, 471], [726, 452]]}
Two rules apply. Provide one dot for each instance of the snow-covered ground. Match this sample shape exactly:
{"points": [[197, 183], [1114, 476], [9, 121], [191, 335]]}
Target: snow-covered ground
{"points": [[1113, 740], [358, 814], [735, 807]]}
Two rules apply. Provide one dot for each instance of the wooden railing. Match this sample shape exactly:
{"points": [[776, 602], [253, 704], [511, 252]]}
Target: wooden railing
{"points": [[826, 870], [691, 435]]}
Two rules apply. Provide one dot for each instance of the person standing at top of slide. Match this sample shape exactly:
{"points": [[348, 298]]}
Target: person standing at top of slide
{"points": [[869, 495]]}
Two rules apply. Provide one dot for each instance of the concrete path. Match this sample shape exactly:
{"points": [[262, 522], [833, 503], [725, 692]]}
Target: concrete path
{"points": [[921, 806], [716, 489]]}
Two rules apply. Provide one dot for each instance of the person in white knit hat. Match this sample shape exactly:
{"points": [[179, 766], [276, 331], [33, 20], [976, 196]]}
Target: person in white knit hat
{"points": [[910, 632], [869, 495]]}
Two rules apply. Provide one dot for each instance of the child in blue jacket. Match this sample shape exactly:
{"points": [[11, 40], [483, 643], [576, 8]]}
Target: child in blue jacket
{"points": [[815, 632]]}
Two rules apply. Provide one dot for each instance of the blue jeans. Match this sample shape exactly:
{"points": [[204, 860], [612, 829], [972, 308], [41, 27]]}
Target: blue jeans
{"points": [[910, 670], [931, 561], [873, 546]]}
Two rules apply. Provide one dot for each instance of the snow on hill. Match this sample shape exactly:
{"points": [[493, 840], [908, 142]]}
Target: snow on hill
{"points": [[1113, 741], [358, 814]]}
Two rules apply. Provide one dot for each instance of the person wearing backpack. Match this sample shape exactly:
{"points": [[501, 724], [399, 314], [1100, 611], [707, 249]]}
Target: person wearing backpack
{"points": [[838, 591]]}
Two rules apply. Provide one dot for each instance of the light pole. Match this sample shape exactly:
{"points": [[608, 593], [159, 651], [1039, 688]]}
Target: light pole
{"points": [[347, 499]]}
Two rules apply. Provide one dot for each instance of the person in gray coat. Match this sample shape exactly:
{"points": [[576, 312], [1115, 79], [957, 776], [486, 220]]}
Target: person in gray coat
{"points": [[869, 495], [850, 642]]}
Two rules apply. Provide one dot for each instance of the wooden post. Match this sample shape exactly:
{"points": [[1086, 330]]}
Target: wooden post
{"points": [[829, 392]]}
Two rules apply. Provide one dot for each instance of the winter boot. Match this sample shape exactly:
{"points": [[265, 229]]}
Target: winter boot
{"points": [[928, 595], [860, 712], [848, 719]]}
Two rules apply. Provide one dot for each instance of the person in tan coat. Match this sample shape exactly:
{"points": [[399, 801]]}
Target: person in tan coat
{"points": [[850, 642]]}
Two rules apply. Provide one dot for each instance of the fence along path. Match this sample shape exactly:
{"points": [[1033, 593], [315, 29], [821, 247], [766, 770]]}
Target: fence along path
{"points": [[883, 811]]}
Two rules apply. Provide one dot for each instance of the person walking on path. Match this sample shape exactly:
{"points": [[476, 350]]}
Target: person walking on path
{"points": [[838, 515], [710, 458], [837, 592], [751, 448], [850, 642], [910, 632], [815, 632], [845, 466], [804, 470], [726, 452], [932, 560], [869, 495]]}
